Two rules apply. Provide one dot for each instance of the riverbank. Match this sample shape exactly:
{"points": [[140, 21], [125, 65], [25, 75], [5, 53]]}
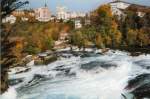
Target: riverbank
{"points": [[49, 56], [145, 50]]}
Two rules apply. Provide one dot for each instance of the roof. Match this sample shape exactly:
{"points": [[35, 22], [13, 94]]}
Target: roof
{"points": [[136, 7], [117, 1]]}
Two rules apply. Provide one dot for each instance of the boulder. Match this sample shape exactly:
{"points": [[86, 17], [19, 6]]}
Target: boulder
{"points": [[135, 53], [140, 86]]}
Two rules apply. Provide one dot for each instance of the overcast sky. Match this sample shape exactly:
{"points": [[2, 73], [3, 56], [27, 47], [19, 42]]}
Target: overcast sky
{"points": [[77, 5]]}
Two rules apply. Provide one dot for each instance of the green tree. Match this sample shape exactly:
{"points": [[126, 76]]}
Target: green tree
{"points": [[131, 37], [48, 43], [70, 23], [99, 41], [77, 39]]}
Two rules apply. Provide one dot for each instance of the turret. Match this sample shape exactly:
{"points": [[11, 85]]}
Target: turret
{"points": [[45, 4]]}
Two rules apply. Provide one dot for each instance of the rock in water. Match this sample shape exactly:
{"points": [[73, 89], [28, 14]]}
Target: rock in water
{"points": [[96, 64], [140, 86]]}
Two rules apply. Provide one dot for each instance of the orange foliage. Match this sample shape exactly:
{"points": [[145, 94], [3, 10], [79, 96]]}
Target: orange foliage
{"points": [[106, 9], [17, 50]]}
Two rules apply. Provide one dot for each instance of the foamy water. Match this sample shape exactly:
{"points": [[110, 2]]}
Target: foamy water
{"points": [[105, 80]]}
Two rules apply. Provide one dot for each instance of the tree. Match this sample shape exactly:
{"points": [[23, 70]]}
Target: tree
{"points": [[131, 37], [17, 50], [71, 24], [105, 23], [102, 15], [48, 43], [8, 6], [99, 41], [116, 35], [123, 27], [146, 19], [7, 58], [143, 38], [77, 39], [134, 27]]}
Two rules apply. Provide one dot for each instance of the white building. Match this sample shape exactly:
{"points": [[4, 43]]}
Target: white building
{"points": [[43, 14], [117, 6], [63, 13], [11, 19], [78, 24], [140, 14], [81, 14]]}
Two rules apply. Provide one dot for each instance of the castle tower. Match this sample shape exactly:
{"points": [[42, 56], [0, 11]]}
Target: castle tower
{"points": [[45, 4], [43, 14]]}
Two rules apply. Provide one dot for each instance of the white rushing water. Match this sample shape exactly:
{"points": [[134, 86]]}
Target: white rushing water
{"points": [[95, 77]]}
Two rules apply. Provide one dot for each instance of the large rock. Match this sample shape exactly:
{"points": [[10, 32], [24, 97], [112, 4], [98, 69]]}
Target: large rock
{"points": [[140, 86]]}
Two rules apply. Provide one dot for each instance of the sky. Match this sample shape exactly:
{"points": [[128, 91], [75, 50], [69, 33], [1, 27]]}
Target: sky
{"points": [[76, 5]]}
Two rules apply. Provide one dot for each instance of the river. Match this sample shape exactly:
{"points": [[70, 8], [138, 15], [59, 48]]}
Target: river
{"points": [[87, 76]]}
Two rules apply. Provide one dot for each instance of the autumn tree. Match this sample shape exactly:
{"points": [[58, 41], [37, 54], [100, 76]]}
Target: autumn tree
{"points": [[17, 50], [106, 24], [115, 34], [143, 38], [101, 18]]}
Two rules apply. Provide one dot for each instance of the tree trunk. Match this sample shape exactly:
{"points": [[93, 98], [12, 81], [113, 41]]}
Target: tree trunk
{"points": [[4, 80]]}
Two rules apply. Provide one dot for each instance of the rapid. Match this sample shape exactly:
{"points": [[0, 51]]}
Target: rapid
{"points": [[90, 75]]}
